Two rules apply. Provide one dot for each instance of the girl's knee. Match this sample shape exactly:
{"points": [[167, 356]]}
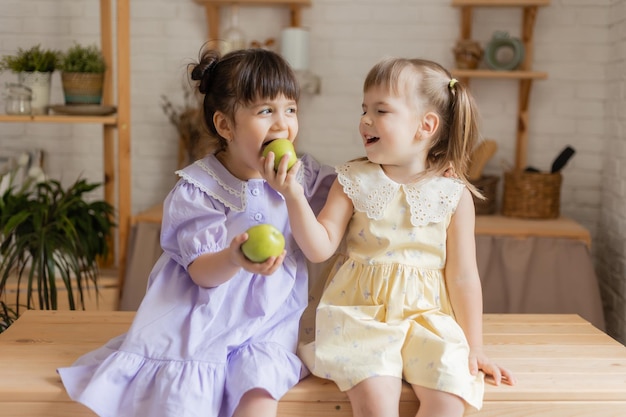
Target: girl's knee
{"points": [[256, 403], [434, 403], [376, 397]]}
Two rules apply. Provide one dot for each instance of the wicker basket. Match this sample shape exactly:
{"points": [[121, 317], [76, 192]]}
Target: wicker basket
{"points": [[531, 195], [488, 186]]}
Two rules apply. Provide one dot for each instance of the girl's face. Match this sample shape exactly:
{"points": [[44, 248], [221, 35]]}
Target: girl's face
{"points": [[255, 126], [391, 129]]}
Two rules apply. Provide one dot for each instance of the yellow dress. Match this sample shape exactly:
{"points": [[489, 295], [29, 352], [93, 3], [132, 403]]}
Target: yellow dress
{"points": [[385, 308]]}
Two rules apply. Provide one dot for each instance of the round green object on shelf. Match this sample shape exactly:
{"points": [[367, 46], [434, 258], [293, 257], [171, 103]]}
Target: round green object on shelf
{"points": [[503, 62]]}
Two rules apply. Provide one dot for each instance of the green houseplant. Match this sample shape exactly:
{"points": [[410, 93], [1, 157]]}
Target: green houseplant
{"points": [[82, 74], [34, 68], [81, 58], [51, 239], [34, 59]]}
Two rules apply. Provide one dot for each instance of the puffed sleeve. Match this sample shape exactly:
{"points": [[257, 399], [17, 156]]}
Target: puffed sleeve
{"points": [[316, 181], [193, 224]]}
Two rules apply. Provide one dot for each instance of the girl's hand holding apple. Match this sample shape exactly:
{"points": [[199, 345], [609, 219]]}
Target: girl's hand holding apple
{"points": [[281, 174], [268, 267], [264, 241], [280, 148]]}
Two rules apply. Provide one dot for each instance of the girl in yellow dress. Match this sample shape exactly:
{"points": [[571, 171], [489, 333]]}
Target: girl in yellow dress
{"points": [[405, 300]]}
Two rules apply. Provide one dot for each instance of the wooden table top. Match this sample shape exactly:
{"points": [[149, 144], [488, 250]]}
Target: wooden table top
{"points": [[560, 361]]}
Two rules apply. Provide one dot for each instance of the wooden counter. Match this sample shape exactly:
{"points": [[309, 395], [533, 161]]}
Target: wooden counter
{"points": [[562, 227], [495, 225], [526, 266], [152, 215], [564, 366]]}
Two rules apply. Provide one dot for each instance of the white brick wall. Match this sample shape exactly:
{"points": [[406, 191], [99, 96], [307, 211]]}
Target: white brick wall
{"points": [[611, 242], [580, 43]]}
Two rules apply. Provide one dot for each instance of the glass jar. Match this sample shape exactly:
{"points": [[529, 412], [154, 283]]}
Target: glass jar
{"points": [[18, 99], [234, 38]]}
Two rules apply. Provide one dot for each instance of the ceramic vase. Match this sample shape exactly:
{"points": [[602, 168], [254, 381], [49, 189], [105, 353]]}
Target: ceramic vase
{"points": [[39, 83]]}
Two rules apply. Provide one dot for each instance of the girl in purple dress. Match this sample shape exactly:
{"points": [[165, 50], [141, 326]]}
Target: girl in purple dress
{"points": [[216, 334]]}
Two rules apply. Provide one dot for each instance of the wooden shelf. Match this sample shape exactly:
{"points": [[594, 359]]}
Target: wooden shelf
{"points": [[257, 2], [500, 3], [497, 225], [115, 45], [525, 75], [212, 8], [103, 120]]}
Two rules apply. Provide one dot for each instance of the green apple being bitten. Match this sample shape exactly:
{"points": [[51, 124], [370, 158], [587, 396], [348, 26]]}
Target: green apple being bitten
{"points": [[281, 147], [264, 241]]}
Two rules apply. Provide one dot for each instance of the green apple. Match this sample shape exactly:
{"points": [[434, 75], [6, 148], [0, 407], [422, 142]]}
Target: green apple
{"points": [[281, 147], [264, 240]]}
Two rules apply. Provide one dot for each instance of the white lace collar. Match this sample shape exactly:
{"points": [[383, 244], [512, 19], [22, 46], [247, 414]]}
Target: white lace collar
{"points": [[371, 191], [211, 177]]}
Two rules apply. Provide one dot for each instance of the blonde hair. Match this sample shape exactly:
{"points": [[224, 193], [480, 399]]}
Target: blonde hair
{"points": [[431, 85]]}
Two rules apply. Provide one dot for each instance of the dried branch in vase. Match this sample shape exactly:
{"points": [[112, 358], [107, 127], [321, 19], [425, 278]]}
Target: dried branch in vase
{"points": [[193, 137]]}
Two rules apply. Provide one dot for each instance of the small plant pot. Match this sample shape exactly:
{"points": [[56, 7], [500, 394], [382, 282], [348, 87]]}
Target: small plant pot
{"points": [[82, 87]]}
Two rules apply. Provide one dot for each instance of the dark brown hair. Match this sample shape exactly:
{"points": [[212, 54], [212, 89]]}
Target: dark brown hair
{"points": [[238, 79]]}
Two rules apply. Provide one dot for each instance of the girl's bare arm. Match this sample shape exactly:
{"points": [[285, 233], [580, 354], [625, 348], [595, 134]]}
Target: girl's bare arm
{"points": [[465, 289], [461, 271], [317, 237]]}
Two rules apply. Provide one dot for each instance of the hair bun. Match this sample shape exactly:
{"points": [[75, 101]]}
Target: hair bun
{"points": [[203, 69]]}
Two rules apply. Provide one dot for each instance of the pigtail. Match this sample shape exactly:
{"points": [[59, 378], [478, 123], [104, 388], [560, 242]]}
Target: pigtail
{"points": [[463, 130], [458, 131]]}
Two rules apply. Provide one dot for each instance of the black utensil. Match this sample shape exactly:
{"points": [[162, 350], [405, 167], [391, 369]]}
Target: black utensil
{"points": [[531, 169], [562, 158]]}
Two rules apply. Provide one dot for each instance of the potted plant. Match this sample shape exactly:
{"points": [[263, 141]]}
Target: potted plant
{"points": [[34, 68], [82, 74], [51, 239]]}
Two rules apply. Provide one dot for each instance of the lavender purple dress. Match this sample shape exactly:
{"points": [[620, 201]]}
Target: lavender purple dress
{"points": [[194, 351]]}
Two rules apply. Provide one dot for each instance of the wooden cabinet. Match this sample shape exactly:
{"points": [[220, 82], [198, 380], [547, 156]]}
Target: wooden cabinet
{"points": [[114, 27], [212, 11], [524, 75]]}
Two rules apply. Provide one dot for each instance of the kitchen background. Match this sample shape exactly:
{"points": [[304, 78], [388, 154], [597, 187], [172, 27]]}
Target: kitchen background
{"points": [[581, 44]]}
